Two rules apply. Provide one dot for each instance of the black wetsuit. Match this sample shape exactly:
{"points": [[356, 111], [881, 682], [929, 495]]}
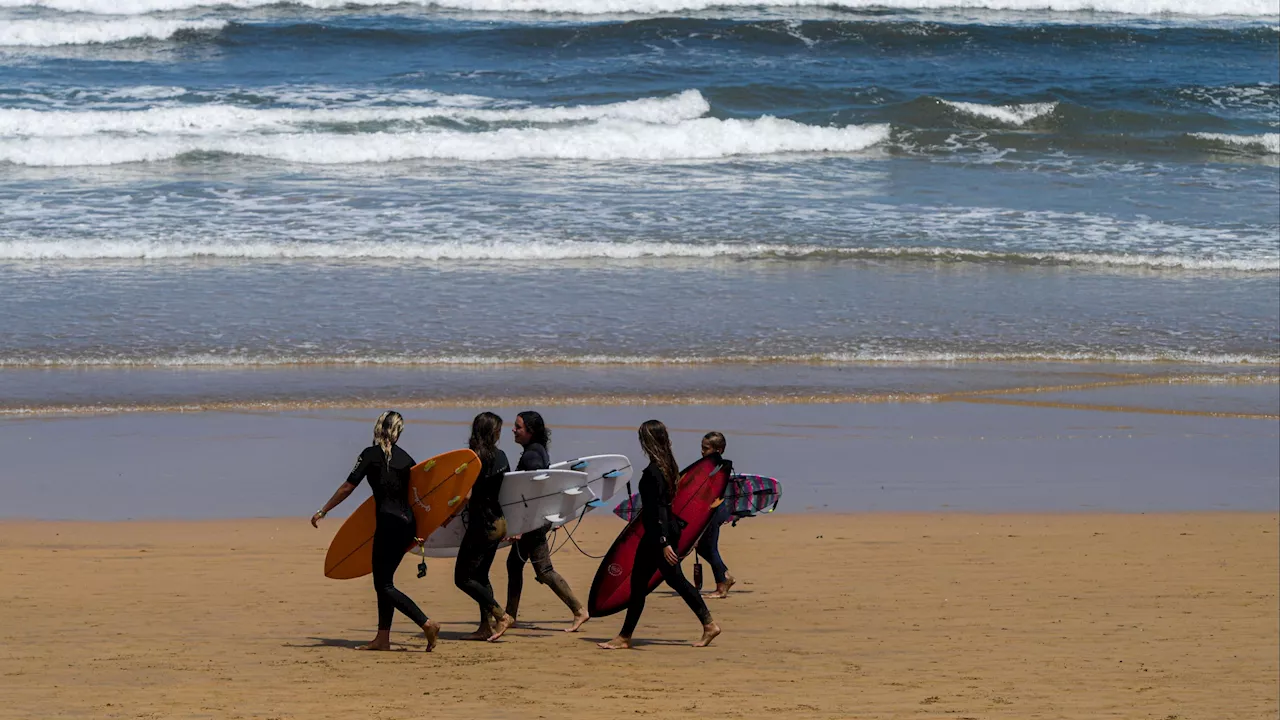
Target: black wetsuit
{"points": [[709, 545], [532, 547], [649, 555], [485, 528], [395, 528]]}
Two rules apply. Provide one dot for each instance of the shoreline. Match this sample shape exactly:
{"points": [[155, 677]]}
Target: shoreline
{"points": [[94, 390]]}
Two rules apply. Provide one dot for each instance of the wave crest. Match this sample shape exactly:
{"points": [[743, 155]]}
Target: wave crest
{"points": [[700, 139], [51, 33], [541, 251]]}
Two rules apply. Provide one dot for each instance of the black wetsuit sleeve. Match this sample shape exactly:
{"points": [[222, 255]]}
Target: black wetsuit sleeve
{"points": [[361, 469], [534, 457]]}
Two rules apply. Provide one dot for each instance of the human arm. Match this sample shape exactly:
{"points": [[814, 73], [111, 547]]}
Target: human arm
{"points": [[342, 493], [358, 473]]}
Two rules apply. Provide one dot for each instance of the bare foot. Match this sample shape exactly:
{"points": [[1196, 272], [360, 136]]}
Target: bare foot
{"points": [[503, 625], [432, 632], [722, 589], [580, 618], [618, 643], [375, 645], [710, 632], [482, 633]]}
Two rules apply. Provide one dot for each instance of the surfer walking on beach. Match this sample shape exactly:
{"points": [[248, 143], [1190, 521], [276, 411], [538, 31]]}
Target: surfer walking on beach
{"points": [[713, 445], [655, 553], [387, 468], [485, 529], [531, 433]]}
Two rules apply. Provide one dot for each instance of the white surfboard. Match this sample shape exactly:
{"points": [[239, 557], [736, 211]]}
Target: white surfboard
{"points": [[540, 498]]}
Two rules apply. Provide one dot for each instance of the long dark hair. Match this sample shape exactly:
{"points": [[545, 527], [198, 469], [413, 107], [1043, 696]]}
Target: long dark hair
{"points": [[485, 431], [536, 427], [656, 443]]}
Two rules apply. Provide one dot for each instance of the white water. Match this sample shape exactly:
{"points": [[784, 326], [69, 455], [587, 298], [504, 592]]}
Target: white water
{"points": [[1248, 8]]}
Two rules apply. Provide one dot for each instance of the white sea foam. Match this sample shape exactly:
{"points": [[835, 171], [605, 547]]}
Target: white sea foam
{"points": [[1248, 8], [49, 33], [703, 138], [1016, 115], [219, 118], [871, 357], [544, 251], [1268, 142]]}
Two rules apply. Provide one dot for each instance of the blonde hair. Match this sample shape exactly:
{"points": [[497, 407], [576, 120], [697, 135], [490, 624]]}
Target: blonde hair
{"points": [[386, 431]]}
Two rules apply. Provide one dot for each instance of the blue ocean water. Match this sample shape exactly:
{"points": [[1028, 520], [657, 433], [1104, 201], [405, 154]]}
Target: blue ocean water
{"points": [[593, 183]]}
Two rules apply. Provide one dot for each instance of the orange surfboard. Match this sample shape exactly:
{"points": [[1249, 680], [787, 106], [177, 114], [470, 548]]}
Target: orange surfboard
{"points": [[437, 490]]}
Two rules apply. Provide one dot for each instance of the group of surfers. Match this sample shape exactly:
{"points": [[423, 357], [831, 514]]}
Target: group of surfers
{"points": [[386, 466]]}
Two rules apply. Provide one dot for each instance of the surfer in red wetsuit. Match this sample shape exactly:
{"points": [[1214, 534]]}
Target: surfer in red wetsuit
{"points": [[531, 432], [713, 443], [387, 467], [485, 528], [655, 551]]}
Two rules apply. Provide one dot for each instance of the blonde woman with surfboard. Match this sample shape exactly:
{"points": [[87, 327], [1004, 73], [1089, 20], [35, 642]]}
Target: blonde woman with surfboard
{"points": [[485, 529], [387, 468], [531, 433], [655, 553]]}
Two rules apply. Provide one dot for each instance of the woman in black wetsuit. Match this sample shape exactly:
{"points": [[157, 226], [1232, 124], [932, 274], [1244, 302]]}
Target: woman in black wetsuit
{"points": [[658, 487], [713, 444], [387, 467], [485, 529], [531, 433]]}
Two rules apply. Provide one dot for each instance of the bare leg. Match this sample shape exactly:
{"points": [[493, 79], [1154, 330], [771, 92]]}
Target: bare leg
{"points": [[621, 642], [709, 632]]}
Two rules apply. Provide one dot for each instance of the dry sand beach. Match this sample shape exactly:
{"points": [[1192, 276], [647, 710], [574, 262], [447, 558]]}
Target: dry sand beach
{"points": [[836, 616], [1009, 588]]}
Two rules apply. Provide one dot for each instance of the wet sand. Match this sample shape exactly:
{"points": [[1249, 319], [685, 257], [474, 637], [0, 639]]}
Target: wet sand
{"points": [[1086, 447], [835, 616]]}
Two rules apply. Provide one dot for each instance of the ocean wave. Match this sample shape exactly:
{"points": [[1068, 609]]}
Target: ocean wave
{"points": [[211, 361], [688, 105], [704, 138], [1267, 142], [1246, 8], [219, 118], [50, 33], [1016, 115], [542, 251]]}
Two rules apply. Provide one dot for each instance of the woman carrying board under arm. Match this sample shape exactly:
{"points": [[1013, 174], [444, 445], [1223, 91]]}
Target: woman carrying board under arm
{"points": [[531, 432], [387, 467], [655, 551], [485, 529]]}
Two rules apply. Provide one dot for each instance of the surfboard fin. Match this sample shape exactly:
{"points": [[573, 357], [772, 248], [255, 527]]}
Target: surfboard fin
{"points": [[461, 469], [573, 491], [455, 500], [579, 465], [543, 476], [557, 518], [611, 474], [430, 464], [595, 503]]}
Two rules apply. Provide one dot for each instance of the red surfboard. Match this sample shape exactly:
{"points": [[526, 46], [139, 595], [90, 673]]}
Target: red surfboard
{"points": [[701, 485]]}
